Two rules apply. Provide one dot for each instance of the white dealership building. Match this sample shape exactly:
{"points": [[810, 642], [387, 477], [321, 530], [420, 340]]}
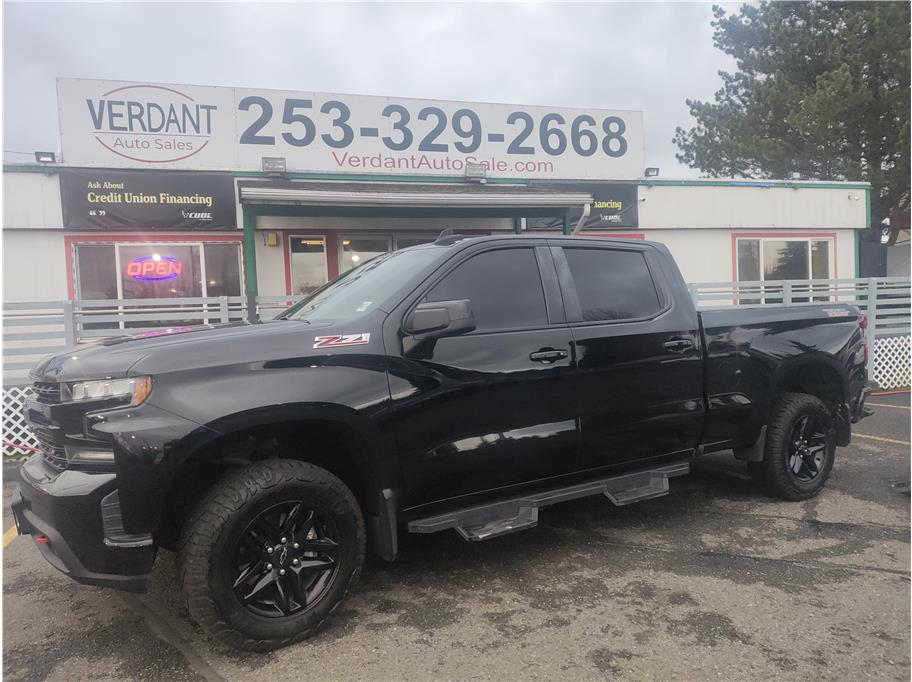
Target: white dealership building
{"points": [[166, 191]]}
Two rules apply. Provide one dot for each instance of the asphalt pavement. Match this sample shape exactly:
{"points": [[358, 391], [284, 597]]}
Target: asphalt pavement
{"points": [[713, 581]]}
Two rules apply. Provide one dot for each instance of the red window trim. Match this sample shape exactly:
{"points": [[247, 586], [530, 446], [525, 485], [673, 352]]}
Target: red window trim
{"points": [[782, 234], [69, 242]]}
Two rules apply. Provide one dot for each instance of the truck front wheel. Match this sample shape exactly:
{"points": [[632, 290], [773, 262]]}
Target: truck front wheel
{"points": [[270, 553], [800, 448]]}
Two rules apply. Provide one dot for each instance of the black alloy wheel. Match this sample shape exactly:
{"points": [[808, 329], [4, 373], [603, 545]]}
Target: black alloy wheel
{"points": [[270, 552], [799, 450], [285, 560], [807, 448]]}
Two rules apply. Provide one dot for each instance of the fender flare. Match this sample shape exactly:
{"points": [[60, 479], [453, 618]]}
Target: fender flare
{"points": [[375, 455], [791, 366]]}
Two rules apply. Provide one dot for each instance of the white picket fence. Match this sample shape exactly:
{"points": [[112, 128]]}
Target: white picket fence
{"points": [[34, 330]]}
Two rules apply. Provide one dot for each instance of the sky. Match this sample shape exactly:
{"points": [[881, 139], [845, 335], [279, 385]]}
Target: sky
{"points": [[638, 56]]}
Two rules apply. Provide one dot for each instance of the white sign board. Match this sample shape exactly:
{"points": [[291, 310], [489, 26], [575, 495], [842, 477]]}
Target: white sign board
{"points": [[149, 125]]}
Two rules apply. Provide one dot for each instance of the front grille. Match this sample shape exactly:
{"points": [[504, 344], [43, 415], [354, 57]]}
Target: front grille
{"points": [[45, 433], [55, 456], [48, 435], [50, 447], [46, 392]]}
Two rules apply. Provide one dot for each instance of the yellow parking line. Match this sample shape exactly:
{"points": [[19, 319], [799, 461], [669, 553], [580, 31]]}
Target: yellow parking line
{"points": [[883, 440], [895, 407], [9, 535]]}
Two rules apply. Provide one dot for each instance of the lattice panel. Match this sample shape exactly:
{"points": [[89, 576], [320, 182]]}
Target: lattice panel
{"points": [[15, 430], [891, 362]]}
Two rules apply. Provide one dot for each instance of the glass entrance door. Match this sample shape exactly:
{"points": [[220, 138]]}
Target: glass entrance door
{"points": [[308, 263]]}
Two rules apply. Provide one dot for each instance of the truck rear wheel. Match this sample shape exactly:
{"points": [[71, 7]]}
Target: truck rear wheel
{"points": [[800, 448], [270, 553]]}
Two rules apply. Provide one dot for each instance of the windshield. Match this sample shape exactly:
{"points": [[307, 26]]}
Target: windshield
{"points": [[364, 288]]}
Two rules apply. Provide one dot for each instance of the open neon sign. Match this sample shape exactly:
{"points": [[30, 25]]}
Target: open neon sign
{"points": [[154, 268]]}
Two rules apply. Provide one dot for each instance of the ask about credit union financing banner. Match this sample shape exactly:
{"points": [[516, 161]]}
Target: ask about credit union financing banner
{"points": [[152, 125], [105, 198]]}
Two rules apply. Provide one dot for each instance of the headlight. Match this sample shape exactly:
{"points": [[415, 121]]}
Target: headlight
{"points": [[137, 389]]}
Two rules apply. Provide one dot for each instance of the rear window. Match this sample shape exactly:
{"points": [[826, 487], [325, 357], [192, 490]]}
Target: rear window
{"points": [[612, 284]]}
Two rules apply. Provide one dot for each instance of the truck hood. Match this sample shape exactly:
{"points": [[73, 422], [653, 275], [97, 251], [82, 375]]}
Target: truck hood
{"points": [[171, 349]]}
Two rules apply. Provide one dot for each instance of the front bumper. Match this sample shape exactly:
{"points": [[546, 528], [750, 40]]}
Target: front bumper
{"points": [[62, 511]]}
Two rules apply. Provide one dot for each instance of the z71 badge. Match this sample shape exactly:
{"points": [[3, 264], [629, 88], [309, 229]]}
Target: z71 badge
{"points": [[340, 340]]}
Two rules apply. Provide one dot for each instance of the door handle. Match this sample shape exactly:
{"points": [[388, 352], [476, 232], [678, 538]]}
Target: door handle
{"points": [[547, 355], [679, 345]]}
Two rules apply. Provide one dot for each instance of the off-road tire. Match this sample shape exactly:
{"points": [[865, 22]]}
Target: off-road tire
{"points": [[773, 473], [227, 508]]}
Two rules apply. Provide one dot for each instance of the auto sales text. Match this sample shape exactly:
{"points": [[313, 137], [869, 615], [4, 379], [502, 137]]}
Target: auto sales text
{"points": [[435, 163]]}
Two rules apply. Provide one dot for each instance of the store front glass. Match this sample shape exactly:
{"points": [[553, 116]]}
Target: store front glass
{"points": [[223, 269], [405, 242], [96, 268], [356, 250], [308, 263], [157, 270], [770, 260], [160, 271]]}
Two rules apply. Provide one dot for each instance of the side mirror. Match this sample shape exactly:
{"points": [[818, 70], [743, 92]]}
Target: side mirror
{"points": [[438, 319]]}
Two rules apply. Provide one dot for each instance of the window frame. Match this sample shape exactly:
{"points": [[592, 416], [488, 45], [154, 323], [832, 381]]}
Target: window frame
{"points": [[554, 317], [572, 305]]}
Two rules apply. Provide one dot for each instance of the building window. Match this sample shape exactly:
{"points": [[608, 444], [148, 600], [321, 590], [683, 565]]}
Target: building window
{"points": [[357, 250], [410, 240], [96, 272], [135, 270], [223, 269], [308, 264], [160, 271], [773, 259]]}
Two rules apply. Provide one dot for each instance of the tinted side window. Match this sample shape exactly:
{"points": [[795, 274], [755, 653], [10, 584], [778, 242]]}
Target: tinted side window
{"points": [[504, 287], [612, 285]]}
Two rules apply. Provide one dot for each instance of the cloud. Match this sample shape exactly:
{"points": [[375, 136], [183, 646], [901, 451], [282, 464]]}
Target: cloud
{"points": [[642, 56]]}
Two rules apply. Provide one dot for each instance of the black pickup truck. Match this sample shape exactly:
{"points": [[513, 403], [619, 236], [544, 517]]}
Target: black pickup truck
{"points": [[459, 385]]}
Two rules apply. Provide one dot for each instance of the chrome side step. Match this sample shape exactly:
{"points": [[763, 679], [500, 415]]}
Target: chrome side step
{"points": [[487, 521]]}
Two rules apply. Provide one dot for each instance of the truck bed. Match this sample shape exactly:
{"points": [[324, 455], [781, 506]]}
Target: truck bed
{"points": [[752, 352]]}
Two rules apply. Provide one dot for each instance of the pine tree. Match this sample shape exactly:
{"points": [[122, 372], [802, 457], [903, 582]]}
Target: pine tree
{"points": [[821, 88]]}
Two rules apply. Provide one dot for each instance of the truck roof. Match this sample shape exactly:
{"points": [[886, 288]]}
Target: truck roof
{"points": [[453, 239]]}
